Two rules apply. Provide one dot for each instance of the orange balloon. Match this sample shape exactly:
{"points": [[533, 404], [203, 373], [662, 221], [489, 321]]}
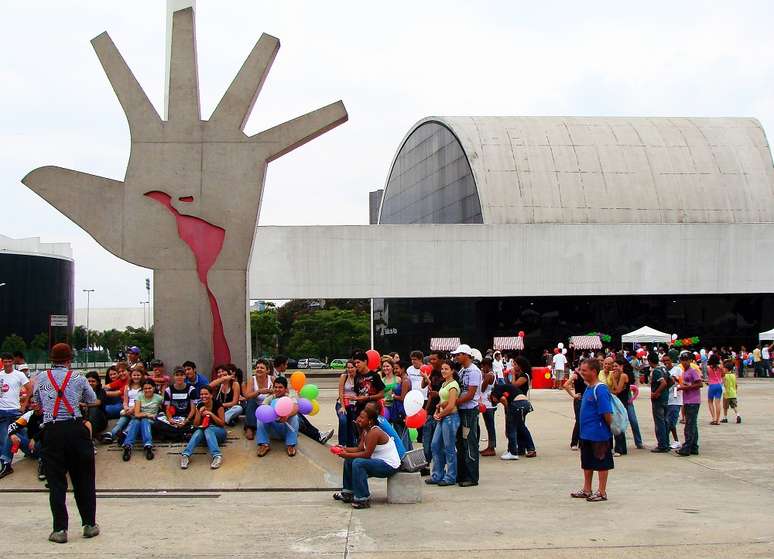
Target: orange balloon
{"points": [[297, 380]]}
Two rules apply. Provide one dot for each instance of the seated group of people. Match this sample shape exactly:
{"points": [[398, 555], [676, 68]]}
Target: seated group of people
{"points": [[188, 407]]}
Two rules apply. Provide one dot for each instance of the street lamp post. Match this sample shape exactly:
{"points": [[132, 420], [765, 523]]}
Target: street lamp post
{"points": [[88, 293], [144, 319]]}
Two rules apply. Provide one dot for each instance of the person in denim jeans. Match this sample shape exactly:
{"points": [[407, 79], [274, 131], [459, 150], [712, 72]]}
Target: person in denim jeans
{"points": [[431, 382], [375, 456], [12, 404], [284, 428], [227, 390], [659, 397], [146, 407], [468, 433], [447, 420], [210, 422], [130, 393]]}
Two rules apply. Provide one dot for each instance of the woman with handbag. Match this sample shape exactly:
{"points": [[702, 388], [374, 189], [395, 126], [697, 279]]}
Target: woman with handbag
{"points": [[443, 445], [514, 398]]}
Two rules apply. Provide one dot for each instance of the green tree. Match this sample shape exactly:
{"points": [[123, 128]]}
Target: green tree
{"points": [[13, 343], [40, 342], [78, 339], [329, 333], [140, 337], [111, 341], [264, 331]]}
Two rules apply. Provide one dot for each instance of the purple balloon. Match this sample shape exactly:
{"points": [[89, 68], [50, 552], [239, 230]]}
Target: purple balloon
{"points": [[265, 414], [304, 406]]}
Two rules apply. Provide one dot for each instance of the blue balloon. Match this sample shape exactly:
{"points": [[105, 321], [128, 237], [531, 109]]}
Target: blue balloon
{"points": [[265, 414], [273, 402], [304, 406]]}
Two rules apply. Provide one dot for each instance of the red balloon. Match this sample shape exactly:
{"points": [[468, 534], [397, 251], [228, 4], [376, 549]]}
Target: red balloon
{"points": [[521, 333], [426, 369], [417, 420], [374, 359], [557, 350], [481, 407]]}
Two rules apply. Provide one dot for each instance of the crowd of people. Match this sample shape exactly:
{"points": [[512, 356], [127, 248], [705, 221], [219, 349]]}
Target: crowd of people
{"points": [[374, 431]]}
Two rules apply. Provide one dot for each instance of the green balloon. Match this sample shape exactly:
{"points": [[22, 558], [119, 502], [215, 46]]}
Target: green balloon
{"points": [[413, 434], [310, 392]]}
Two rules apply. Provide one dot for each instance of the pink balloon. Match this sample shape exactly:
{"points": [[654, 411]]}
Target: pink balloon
{"points": [[284, 406]]}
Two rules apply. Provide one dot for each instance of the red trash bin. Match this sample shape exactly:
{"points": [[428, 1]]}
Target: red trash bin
{"points": [[541, 378]]}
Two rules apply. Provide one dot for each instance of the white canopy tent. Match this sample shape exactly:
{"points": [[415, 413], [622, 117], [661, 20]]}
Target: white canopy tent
{"points": [[767, 335], [646, 334]]}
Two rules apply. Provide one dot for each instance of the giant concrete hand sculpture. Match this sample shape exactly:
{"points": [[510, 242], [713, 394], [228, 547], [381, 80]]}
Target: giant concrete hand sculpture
{"points": [[189, 203]]}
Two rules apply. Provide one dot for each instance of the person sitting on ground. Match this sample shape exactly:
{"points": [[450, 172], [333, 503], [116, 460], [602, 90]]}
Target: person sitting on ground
{"points": [[254, 391], [345, 406], [729, 391], [596, 446], [159, 375], [283, 428], [114, 390], [179, 408], [192, 377], [24, 434], [94, 413], [146, 407], [305, 426], [227, 391], [375, 456], [447, 422], [130, 393], [209, 423]]}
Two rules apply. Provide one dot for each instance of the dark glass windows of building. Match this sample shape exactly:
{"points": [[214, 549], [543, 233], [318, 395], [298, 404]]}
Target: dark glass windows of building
{"points": [[718, 320], [431, 181]]}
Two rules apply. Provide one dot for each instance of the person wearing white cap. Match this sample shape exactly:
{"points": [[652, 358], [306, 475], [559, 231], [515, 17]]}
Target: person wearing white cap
{"points": [[467, 404]]}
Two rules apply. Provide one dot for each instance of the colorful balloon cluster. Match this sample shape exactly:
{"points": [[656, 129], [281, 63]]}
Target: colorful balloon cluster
{"points": [[283, 407], [686, 341], [606, 338], [414, 403]]}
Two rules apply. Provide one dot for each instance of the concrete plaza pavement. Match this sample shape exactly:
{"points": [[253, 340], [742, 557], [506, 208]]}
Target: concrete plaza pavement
{"points": [[718, 503]]}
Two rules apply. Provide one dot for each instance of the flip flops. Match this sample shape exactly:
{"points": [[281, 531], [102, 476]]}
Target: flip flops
{"points": [[596, 497], [580, 494]]}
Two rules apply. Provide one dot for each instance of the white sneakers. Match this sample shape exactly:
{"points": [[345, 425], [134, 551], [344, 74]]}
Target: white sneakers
{"points": [[675, 445], [184, 461], [508, 456], [216, 462]]}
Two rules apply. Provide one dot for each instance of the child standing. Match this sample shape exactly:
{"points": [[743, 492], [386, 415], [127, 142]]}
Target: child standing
{"points": [[729, 395]]}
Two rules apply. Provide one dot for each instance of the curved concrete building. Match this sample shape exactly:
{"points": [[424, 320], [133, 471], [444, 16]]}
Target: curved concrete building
{"points": [[658, 183], [569, 170]]}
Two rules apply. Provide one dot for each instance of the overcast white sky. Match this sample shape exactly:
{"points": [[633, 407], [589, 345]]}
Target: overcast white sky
{"points": [[391, 63]]}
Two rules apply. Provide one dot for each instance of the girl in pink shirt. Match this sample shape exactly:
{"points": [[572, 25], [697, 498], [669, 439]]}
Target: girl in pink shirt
{"points": [[715, 392]]}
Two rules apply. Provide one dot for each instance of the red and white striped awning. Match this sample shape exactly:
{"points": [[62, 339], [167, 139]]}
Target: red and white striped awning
{"points": [[586, 342], [509, 342], [444, 344]]}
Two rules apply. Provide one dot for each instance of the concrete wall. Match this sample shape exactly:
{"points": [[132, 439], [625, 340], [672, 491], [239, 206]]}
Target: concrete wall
{"points": [[509, 260]]}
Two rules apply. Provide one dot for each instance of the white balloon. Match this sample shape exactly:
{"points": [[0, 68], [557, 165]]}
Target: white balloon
{"points": [[564, 351], [674, 337], [560, 345], [413, 402]]}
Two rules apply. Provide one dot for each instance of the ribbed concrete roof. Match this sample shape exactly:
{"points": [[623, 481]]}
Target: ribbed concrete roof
{"points": [[618, 170]]}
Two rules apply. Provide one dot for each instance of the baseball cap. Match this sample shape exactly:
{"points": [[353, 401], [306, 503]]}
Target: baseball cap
{"points": [[134, 349], [463, 348]]}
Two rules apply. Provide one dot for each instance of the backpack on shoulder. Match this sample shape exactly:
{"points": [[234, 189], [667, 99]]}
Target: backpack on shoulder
{"points": [[620, 422]]}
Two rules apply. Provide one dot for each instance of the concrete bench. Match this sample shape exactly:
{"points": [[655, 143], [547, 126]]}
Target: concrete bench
{"points": [[404, 488]]}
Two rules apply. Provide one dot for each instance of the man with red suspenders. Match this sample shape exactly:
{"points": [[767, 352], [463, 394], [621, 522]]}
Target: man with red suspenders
{"points": [[67, 446]]}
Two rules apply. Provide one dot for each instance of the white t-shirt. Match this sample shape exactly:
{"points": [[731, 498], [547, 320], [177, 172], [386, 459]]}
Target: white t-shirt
{"points": [[765, 352], [675, 395], [415, 375], [10, 389], [497, 367], [559, 362]]}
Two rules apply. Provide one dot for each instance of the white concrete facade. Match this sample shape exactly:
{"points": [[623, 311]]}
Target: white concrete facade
{"points": [[532, 260], [33, 247]]}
